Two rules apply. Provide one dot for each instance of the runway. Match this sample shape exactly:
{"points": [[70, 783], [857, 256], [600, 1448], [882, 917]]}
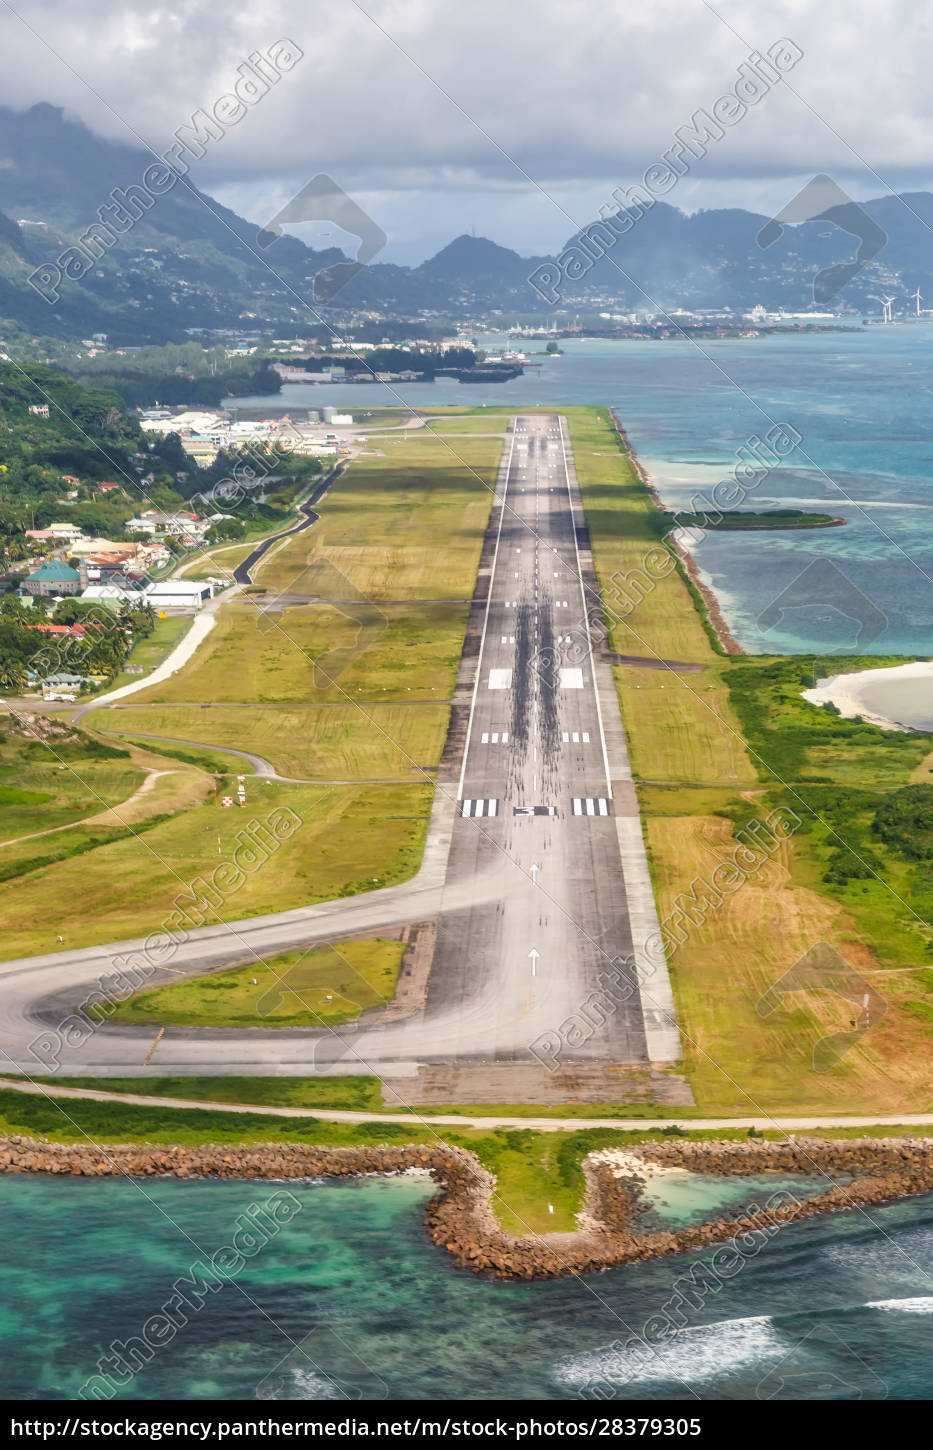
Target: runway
{"points": [[548, 943]]}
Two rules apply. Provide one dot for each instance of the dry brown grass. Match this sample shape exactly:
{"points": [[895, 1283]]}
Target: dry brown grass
{"points": [[739, 1060]]}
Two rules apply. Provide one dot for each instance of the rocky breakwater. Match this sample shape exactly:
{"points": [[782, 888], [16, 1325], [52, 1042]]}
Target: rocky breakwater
{"points": [[459, 1217]]}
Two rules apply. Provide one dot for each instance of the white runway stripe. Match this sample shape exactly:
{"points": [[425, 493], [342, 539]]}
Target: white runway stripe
{"points": [[590, 806], [479, 808]]}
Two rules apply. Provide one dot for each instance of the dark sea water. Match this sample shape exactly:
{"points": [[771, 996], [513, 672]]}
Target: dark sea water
{"points": [[351, 1298], [860, 400]]}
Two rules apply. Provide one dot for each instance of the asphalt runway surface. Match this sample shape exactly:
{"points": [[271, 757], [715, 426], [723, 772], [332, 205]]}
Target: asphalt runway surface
{"points": [[535, 864]]}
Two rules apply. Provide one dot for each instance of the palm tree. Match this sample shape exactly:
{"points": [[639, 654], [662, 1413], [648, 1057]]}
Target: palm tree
{"points": [[12, 671]]}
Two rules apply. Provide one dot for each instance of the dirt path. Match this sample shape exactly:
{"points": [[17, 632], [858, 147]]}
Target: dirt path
{"points": [[544, 1125], [111, 816], [263, 767], [107, 817]]}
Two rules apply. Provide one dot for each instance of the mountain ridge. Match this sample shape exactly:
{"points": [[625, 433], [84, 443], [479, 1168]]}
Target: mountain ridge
{"points": [[189, 263]]}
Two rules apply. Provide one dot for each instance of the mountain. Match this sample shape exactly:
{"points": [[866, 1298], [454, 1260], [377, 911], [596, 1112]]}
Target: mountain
{"points": [[186, 262], [475, 259], [189, 263], [734, 258]]}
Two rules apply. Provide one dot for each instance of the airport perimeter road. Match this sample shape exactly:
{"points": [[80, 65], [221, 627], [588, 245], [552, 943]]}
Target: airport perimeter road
{"points": [[535, 864]]}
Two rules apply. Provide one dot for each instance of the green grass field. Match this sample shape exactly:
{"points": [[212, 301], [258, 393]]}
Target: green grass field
{"points": [[46, 785], [323, 986], [318, 653], [425, 503], [348, 835], [448, 425], [327, 742], [404, 523], [150, 651]]}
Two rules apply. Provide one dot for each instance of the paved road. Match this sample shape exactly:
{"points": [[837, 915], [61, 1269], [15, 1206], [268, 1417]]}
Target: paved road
{"points": [[535, 861], [243, 572], [453, 1120]]}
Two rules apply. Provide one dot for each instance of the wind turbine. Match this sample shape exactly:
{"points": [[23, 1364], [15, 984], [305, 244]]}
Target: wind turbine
{"points": [[918, 299], [886, 306]]}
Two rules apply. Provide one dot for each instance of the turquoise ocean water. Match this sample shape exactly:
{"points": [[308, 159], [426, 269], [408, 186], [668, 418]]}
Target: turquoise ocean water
{"points": [[351, 1298], [862, 402]]}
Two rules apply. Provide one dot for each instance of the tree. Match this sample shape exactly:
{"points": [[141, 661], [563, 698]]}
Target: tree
{"points": [[12, 671], [225, 529]]}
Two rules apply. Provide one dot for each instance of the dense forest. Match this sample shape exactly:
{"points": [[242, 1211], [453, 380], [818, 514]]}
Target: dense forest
{"points": [[182, 375], [429, 363], [78, 432]]}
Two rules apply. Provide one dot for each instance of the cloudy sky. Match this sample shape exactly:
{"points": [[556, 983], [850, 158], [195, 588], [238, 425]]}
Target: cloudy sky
{"points": [[514, 118]]}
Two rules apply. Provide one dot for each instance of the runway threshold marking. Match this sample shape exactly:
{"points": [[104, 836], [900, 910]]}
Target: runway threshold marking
{"points": [[481, 807], [590, 806]]}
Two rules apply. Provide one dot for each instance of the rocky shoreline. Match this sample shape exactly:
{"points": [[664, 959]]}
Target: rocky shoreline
{"points": [[459, 1217], [724, 634], [727, 639]]}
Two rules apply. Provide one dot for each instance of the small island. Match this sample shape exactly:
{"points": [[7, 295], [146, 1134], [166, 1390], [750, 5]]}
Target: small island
{"points": [[750, 519]]}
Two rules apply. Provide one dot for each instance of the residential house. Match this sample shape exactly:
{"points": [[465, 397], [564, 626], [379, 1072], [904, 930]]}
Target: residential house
{"points": [[57, 533], [185, 526]]}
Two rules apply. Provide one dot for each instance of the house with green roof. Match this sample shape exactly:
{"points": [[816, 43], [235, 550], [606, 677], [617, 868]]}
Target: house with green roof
{"points": [[55, 578]]}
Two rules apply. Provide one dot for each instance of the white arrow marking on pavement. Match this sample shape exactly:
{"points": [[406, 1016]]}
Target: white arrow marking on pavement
{"points": [[534, 874], [533, 956]]}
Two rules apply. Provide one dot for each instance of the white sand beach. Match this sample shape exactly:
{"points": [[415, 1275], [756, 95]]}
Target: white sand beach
{"points": [[897, 698], [624, 1162]]}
